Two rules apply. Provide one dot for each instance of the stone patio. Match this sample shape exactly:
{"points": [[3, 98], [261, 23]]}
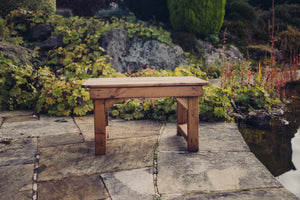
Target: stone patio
{"points": [[45, 157]]}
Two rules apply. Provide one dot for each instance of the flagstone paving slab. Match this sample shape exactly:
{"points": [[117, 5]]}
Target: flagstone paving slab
{"points": [[78, 159], [16, 182], [45, 126], [119, 128], [16, 152], [21, 118], [212, 137], [267, 194], [132, 184], [211, 171], [11, 114], [73, 188], [55, 140]]}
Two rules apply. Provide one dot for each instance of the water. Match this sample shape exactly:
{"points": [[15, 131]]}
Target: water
{"points": [[278, 146]]}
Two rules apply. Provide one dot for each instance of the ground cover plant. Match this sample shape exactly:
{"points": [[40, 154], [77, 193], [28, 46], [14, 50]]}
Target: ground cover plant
{"points": [[52, 85]]}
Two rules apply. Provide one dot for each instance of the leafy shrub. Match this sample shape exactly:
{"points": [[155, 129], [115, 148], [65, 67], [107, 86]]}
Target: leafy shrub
{"points": [[290, 43], [214, 105], [266, 4], [45, 5], [201, 17], [237, 33], [240, 10], [17, 85], [84, 7], [285, 15], [149, 9]]}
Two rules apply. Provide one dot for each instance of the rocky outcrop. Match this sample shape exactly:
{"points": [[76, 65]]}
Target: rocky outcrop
{"points": [[217, 56], [16, 53], [39, 33], [51, 42], [133, 54]]}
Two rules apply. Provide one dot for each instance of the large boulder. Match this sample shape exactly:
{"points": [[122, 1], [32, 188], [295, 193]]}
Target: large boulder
{"points": [[16, 53], [133, 54], [217, 56], [40, 32]]}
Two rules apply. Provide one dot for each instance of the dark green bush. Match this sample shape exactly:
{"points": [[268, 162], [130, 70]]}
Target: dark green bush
{"points": [[285, 14], [7, 6], [83, 7], [267, 4], [201, 17], [240, 10], [149, 9]]}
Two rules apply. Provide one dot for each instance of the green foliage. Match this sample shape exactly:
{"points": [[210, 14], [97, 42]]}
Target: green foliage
{"points": [[140, 30], [45, 5], [214, 105], [201, 17], [158, 109], [240, 10], [17, 85], [289, 41], [285, 15], [53, 85], [61, 97], [149, 9]]}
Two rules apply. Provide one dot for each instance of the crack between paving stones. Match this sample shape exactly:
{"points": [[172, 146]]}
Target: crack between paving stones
{"points": [[35, 172], [155, 161], [222, 191], [80, 132]]}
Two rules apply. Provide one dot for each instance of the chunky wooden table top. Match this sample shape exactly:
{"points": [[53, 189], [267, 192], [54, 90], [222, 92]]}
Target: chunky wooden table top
{"points": [[144, 82]]}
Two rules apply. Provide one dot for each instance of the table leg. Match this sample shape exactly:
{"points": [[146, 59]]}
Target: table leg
{"points": [[181, 116], [193, 124], [100, 121]]}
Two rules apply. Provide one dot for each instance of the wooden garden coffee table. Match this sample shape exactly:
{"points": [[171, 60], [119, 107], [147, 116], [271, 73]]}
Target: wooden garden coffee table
{"points": [[106, 91]]}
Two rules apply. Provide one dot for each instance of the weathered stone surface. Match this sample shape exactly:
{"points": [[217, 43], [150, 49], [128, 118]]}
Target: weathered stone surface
{"points": [[169, 141], [11, 114], [73, 188], [258, 118], [16, 182], [137, 53], [132, 184], [52, 42], [39, 32], [79, 159], [119, 128], [211, 138], [45, 126], [267, 194], [217, 56], [16, 152], [54, 140], [211, 172], [16, 53], [22, 118]]}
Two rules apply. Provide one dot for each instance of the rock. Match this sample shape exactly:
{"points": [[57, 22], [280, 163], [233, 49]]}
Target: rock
{"points": [[132, 54], [188, 42], [277, 112], [18, 54], [217, 56], [65, 12], [51, 42], [258, 52], [39, 33], [258, 117]]}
